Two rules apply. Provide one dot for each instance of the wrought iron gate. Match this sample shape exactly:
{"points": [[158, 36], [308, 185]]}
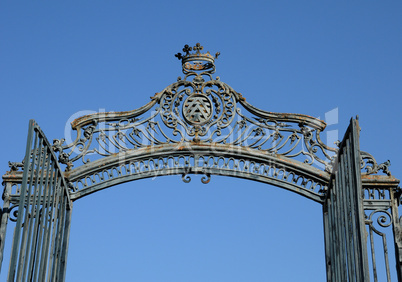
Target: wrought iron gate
{"points": [[345, 239], [199, 125], [40, 243]]}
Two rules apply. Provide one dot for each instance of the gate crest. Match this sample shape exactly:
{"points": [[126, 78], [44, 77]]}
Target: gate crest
{"points": [[198, 108]]}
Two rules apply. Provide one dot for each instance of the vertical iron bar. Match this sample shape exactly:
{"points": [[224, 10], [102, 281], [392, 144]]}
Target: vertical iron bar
{"points": [[332, 232], [27, 235], [334, 244], [51, 251], [349, 199], [345, 211], [45, 211], [384, 242], [64, 239], [38, 211], [339, 263], [360, 196], [59, 237], [23, 192], [397, 232], [48, 224], [326, 223], [49, 238], [375, 276], [351, 186], [55, 256], [341, 233], [35, 249]]}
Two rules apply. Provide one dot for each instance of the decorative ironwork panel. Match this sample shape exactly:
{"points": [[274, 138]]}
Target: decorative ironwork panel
{"points": [[40, 242], [381, 201], [197, 109], [345, 240]]}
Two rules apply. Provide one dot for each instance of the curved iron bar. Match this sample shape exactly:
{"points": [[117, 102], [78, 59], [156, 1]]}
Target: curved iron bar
{"points": [[197, 158]]}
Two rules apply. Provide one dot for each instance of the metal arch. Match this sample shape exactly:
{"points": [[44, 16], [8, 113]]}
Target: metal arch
{"points": [[184, 159]]}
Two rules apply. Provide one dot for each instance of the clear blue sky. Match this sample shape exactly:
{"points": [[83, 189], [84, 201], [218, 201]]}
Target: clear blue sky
{"points": [[61, 57]]}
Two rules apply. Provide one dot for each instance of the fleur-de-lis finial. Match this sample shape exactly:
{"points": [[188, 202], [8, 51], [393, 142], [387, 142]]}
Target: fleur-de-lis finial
{"points": [[198, 48]]}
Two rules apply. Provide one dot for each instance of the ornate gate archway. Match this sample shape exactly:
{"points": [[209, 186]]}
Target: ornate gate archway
{"points": [[198, 125]]}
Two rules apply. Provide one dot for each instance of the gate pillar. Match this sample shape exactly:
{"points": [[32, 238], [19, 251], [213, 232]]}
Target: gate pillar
{"points": [[4, 219], [397, 230]]}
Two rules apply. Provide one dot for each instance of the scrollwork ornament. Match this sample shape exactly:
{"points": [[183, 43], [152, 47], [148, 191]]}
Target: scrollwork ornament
{"points": [[306, 132], [385, 167], [206, 178], [383, 220], [88, 132], [369, 164], [186, 178], [13, 214], [64, 157]]}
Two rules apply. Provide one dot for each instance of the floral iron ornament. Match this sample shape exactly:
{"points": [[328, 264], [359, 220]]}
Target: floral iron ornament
{"points": [[203, 110]]}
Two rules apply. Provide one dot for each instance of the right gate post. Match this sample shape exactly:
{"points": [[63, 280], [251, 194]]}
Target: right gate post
{"points": [[343, 214], [397, 230]]}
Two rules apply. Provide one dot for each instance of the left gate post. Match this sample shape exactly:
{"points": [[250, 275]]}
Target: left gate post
{"points": [[4, 219]]}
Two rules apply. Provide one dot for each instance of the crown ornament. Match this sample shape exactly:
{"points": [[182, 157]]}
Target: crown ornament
{"points": [[197, 61]]}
